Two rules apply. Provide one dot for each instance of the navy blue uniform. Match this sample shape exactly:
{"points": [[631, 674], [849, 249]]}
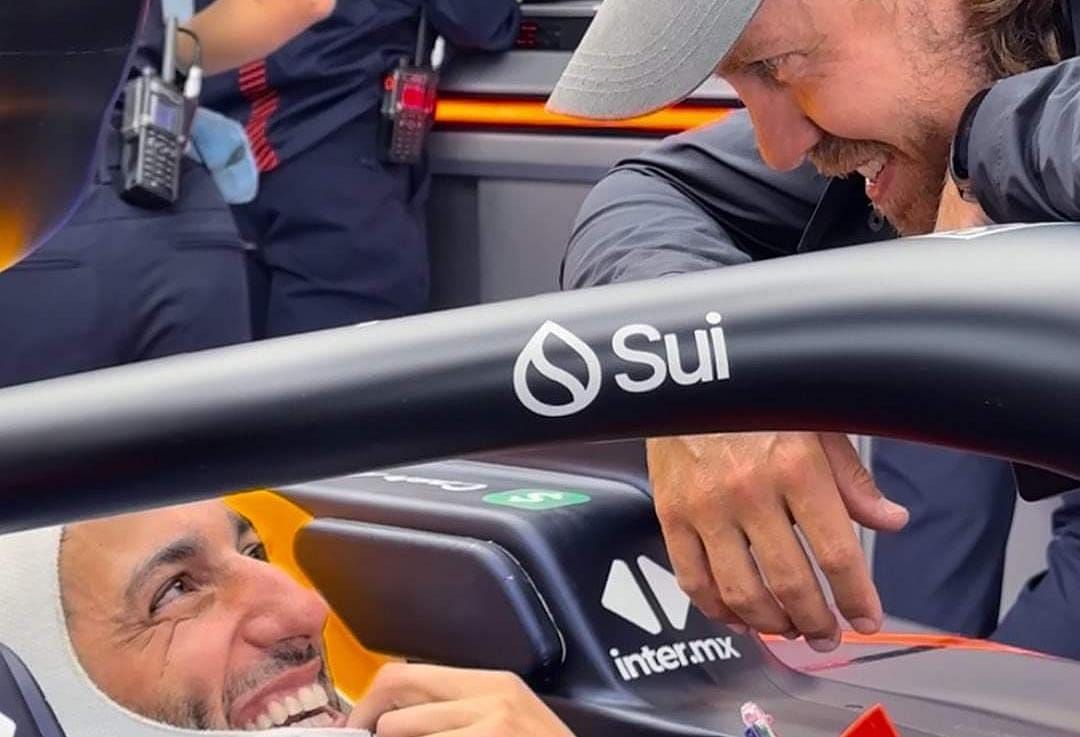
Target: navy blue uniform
{"points": [[120, 284], [340, 236]]}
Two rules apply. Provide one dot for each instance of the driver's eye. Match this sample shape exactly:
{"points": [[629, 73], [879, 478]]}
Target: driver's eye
{"points": [[171, 591], [256, 551]]}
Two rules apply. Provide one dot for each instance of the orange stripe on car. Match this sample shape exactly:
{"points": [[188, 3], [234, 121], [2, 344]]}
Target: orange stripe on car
{"points": [[478, 112], [913, 639]]}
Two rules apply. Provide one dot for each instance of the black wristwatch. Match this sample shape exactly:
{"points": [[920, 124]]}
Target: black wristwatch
{"points": [[958, 157]]}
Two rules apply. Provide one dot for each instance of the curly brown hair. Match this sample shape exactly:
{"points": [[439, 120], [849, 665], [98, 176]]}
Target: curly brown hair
{"points": [[1016, 35]]}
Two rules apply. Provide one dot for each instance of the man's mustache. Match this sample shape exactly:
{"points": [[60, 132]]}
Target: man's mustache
{"points": [[279, 658], [838, 157]]}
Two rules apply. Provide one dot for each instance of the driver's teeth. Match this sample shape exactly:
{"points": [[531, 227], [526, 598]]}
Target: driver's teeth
{"points": [[322, 719], [250, 727], [292, 705], [263, 722], [320, 695], [307, 698], [277, 712]]}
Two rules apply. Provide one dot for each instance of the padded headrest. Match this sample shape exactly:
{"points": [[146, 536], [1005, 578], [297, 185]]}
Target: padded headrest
{"points": [[61, 62]]}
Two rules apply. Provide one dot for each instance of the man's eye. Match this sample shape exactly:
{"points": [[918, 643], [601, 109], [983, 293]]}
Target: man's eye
{"points": [[256, 551], [771, 69], [171, 591]]}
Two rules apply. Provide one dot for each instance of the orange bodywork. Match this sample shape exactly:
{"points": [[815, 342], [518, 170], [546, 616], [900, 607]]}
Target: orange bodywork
{"points": [[277, 521], [12, 238], [478, 112]]}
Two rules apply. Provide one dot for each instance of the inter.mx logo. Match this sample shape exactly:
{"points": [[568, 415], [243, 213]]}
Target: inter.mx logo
{"points": [[625, 596], [651, 359]]}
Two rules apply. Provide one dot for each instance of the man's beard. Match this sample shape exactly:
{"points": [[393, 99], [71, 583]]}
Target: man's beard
{"points": [[914, 194], [194, 712]]}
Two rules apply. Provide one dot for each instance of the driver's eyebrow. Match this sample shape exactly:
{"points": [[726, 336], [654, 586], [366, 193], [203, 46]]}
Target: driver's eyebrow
{"points": [[178, 551], [241, 525]]}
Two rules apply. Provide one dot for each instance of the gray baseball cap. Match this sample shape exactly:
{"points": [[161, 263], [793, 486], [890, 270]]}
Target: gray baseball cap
{"points": [[643, 55]]}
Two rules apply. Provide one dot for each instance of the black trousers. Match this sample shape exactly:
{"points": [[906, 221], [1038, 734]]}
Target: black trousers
{"points": [[340, 237], [120, 284]]}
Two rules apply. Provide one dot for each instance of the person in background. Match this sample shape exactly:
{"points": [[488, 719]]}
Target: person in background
{"points": [[121, 282], [339, 235]]}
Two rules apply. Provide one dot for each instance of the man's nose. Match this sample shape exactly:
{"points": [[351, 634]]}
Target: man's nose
{"points": [[784, 134], [277, 607]]}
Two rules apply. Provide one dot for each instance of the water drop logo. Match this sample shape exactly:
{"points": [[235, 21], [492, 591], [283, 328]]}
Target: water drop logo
{"points": [[582, 394]]}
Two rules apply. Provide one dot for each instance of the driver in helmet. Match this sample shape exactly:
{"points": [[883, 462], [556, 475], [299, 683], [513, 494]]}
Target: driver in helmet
{"points": [[176, 616]]}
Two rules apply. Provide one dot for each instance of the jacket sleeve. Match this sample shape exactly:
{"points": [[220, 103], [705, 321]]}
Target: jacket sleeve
{"points": [[483, 25], [1024, 149], [696, 201]]}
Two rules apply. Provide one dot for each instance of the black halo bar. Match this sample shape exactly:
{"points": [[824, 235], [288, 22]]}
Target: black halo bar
{"points": [[970, 342]]}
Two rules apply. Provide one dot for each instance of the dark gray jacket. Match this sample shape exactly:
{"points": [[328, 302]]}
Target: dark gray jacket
{"points": [[1025, 147], [705, 198]]}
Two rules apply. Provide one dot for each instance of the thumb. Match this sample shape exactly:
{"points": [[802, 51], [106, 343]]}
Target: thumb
{"points": [[365, 714], [385, 694], [864, 501]]}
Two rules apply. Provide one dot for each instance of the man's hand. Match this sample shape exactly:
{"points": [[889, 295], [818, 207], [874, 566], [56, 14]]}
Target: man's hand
{"points": [[727, 505], [956, 213], [426, 700], [234, 32]]}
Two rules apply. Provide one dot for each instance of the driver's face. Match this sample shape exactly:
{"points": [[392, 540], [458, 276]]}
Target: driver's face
{"points": [[177, 615]]}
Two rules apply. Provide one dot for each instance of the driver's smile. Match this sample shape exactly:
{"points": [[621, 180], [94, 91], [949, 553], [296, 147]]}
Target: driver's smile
{"points": [[296, 697]]}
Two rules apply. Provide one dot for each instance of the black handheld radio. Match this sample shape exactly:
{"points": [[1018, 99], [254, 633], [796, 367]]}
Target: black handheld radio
{"points": [[154, 133], [408, 106]]}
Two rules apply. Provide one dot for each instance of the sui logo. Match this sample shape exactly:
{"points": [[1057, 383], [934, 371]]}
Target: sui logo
{"points": [[649, 358], [582, 393]]}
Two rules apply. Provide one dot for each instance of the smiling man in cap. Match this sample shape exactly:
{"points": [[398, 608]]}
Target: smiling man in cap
{"points": [[852, 110], [868, 86]]}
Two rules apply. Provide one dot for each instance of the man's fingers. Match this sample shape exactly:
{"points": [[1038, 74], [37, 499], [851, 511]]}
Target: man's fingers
{"points": [[739, 582], [388, 692], [433, 701], [827, 527], [401, 685], [430, 719], [692, 571], [791, 578], [474, 730], [672, 465], [864, 501], [840, 556]]}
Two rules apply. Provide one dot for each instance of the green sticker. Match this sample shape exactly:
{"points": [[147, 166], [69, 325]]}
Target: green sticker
{"points": [[537, 500]]}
